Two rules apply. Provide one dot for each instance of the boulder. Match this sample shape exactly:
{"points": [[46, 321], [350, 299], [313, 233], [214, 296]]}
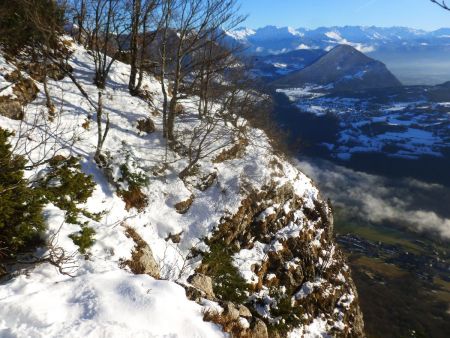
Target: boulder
{"points": [[146, 125], [259, 329], [230, 310], [148, 262], [183, 206], [203, 283], [244, 311], [142, 260], [11, 108]]}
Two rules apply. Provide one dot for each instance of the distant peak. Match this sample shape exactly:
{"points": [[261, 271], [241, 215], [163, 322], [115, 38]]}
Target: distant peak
{"points": [[344, 47]]}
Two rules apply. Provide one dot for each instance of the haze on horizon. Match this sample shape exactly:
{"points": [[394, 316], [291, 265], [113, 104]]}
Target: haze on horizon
{"points": [[418, 14]]}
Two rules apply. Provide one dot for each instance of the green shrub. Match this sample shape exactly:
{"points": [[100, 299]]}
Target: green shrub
{"points": [[228, 284], [133, 180], [21, 220], [30, 23], [291, 315], [66, 187], [84, 239]]}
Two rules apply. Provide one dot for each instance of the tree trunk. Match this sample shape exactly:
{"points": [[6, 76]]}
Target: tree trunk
{"points": [[143, 46], [81, 17], [174, 101], [48, 99], [101, 135], [134, 46]]}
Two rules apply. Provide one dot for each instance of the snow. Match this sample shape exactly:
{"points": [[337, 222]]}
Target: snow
{"points": [[266, 213], [407, 129], [246, 259], [88, 306], [102, 299], [313, 109], [241, 34], [358, 75], [294, 94], [22, 302], [303, 46], [314, 330], [294, 32], [6, 88], [280, 65]]}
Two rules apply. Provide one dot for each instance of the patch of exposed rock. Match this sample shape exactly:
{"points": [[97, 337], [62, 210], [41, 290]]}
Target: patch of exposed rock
{"points": [[142, 260], [24, 91], [283, 245]]}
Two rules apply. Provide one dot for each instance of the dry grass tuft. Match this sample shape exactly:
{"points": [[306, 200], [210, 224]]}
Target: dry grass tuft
{"points": [[229, 325], [134, 198]]}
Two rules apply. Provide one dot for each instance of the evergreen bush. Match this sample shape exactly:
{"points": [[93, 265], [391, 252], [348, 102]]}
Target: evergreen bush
{"points": [[84, 239], [21, 220], [228, 284], [28, 23], [66, 186]]}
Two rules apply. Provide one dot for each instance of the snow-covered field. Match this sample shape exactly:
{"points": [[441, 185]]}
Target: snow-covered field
{"points": [[104, 300], [407, 129]]}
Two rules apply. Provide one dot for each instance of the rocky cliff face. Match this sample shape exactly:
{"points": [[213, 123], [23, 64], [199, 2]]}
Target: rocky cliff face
{"points": [[281, 241]]}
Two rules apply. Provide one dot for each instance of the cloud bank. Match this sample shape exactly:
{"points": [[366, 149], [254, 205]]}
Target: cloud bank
{"points": [[418, 205]]}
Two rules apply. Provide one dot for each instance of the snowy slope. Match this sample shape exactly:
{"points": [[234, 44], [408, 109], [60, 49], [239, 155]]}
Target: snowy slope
{"points": [[102, 299]]}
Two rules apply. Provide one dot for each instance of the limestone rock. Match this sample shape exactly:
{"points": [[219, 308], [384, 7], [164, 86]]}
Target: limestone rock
{"points": [[244, 311], [183, 206], [231, 311], [146, 125], [148, 262], [203, 283], [142, 260], [259, 329], [11, 108]]}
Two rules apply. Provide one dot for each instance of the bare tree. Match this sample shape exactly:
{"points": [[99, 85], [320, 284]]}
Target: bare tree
{"points": [[105, 24], [98, 107], [101, 134], [188, 27], [135, 18], [141, 39], [442, 4], [79, 11], [212, 62], [220, 127]]}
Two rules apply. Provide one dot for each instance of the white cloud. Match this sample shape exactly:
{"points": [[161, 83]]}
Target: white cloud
{"points": [[408, 202], [337, 38], [303, 46]]}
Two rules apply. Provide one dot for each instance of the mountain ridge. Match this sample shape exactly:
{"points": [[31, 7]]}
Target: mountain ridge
{"points": [[275, 40], [343, 68]]}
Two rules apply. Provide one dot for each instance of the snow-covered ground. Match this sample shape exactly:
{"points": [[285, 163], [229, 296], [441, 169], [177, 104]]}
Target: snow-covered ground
{"points": [[104, 300], [400, 129]]}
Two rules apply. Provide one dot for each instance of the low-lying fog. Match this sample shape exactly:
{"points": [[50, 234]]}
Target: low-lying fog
{"points": [[418, 205], [417, 68]]}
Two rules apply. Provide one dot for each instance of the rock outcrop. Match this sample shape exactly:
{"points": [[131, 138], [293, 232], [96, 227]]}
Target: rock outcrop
{"points": [[283, 245], [23, 91], [142, 260]]}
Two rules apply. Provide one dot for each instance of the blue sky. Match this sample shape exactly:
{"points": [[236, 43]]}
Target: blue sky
{"points": [[315, 13]]}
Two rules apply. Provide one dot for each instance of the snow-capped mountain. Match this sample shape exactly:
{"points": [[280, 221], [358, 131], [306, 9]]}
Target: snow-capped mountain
{"points": [[275, 40], [342, 68]]}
